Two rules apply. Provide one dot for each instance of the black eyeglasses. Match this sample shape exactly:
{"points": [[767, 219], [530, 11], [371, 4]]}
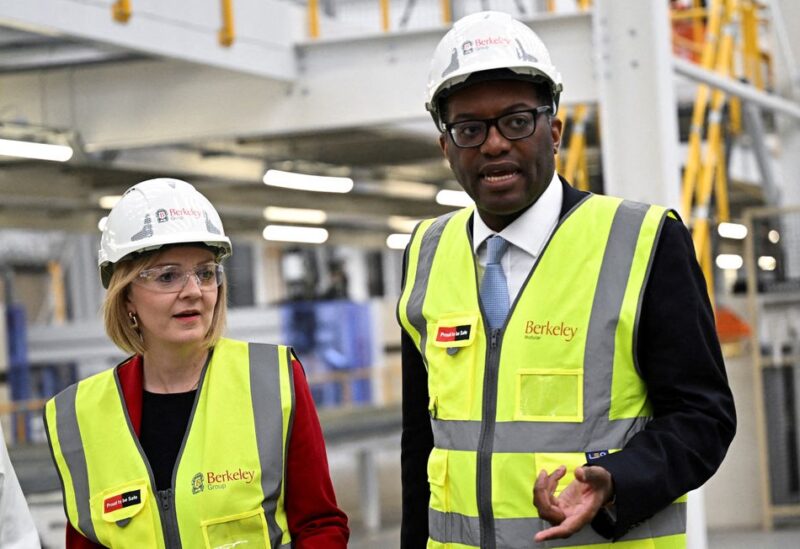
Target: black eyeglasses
{"points": [[512, 126]]}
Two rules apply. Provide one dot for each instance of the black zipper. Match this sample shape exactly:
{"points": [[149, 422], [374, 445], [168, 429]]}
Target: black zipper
{"points": [[169, 518], [486, 441]]}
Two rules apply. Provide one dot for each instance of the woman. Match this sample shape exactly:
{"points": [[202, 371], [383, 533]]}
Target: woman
{"points": [[195, 440]]}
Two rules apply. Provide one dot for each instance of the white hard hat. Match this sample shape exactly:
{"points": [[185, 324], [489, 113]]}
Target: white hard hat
{"points": [[485, 41], [155, 213]]}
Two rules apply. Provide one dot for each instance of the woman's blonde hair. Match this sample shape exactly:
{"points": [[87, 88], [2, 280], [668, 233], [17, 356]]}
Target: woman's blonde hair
{"points": [[115, 311]]}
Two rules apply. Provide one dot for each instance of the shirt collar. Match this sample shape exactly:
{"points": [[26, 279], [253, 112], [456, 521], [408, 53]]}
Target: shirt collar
{"points": [[530, 230]]}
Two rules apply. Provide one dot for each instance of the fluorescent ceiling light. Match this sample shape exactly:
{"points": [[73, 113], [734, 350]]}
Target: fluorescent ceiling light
{"points": [[729, 261], [409, 189], [736, 231], [304, 182], [398, 241], [290, 233], [446, 197], [774, 236], [295, 215], [109, 201], [38, 151], [402, 223], [767, 263]]}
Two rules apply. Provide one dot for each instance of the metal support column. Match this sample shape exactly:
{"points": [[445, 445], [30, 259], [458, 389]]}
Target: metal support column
{"points": [[637, 100], [369, 485]]}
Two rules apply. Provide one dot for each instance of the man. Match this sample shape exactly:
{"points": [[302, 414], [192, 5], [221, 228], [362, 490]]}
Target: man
{"points": [[561, 372]]}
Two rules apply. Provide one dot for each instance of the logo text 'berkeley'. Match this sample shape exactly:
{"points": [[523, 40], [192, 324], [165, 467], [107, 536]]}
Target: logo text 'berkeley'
{"points": [[534, 330]]}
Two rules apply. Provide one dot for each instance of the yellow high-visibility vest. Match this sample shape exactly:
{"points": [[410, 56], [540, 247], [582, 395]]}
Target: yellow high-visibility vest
{"points": [[558, 384], [229, 479]]}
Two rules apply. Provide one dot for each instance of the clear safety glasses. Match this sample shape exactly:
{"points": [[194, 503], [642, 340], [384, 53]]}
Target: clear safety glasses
{"points": [[172, 279]]}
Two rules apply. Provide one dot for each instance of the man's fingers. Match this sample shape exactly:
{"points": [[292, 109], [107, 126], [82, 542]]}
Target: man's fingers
{"points": [[566, 528], [543, 495], [598, 478]]}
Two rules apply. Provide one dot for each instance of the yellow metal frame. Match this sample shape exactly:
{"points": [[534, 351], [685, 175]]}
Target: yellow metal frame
{"points": [[56, 273], [121, 11], [313, 19], [575, 169], [705, 179], [227, 34], [447, 12], [385, 15], [571, 161]]}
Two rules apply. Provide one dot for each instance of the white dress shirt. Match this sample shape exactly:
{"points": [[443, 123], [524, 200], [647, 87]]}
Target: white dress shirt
{"points": [[526, 235], [17, 530]]}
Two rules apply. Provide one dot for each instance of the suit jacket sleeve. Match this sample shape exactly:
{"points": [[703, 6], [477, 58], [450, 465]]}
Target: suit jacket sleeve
{"points": [[415, 445], [680, 360]]}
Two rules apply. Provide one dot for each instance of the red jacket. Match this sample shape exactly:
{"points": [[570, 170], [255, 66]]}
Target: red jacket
{"points": [[315, 521]]}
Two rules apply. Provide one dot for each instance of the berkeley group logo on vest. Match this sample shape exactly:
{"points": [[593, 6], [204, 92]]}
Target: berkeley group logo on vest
{"points": [[536, 330], [213, 480]]}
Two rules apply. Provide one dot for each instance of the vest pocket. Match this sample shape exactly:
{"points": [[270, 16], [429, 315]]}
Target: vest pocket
{"points": [[127, 515], [452, 352], [549, 394], [437, 478], [248, 529]]}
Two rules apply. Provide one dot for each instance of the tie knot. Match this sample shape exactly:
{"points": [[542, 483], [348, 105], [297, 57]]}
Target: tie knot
{"points": [[496, 246]]}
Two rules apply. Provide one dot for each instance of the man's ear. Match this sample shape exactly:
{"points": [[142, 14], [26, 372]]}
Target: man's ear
{"points": [[443, 143], [555, 132]]}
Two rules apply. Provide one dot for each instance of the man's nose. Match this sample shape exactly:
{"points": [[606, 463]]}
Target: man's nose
{"points": [[495, 143]]}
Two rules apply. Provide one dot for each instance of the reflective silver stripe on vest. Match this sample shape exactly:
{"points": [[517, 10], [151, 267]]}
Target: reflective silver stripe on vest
{"points": [[427, 249], [644, 284], [598, 364], [69, 438], [522, 436], [518, 533], [265, 392]]}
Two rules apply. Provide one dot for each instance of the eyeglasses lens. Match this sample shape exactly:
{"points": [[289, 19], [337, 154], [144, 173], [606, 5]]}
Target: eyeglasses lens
{"points": [[170, 278]]}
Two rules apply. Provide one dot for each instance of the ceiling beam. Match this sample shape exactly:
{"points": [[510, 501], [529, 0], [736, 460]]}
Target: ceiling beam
{"points": [[371, 81], [263, 44]]}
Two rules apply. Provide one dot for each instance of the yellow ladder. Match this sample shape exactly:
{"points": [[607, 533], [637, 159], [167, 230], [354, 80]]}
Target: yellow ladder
{"points": [[571, 162]]}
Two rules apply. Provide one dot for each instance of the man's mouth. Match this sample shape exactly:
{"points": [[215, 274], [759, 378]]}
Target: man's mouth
{"points": [[499, 176]]}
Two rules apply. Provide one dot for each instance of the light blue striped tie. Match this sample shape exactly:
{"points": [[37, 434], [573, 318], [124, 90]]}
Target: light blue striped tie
{"points": [[494, 289]]}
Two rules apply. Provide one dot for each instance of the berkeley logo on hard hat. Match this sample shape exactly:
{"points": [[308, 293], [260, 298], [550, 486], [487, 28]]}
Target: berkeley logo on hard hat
{"points": [[483, 43], [161, 215], [466, 47]]}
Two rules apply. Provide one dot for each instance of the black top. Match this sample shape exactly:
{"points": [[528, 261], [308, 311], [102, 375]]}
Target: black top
{"points": [[164, 421], [680, 360]]}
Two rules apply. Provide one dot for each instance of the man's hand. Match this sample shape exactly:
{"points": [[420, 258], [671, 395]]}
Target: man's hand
{"points": [[576, 505]]}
